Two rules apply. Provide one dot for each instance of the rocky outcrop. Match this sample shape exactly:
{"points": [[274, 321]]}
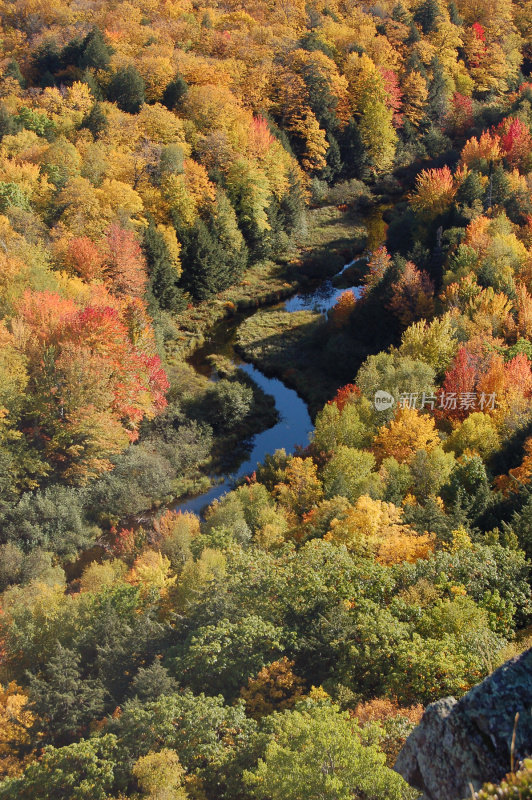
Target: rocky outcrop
{"points": [[465, 742]]}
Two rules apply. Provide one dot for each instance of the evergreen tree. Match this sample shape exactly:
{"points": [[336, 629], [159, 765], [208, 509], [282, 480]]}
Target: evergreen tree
{"points": [[13, 71], [414, 63], [399, 14], [64, 702], [352, 150], [214, 254], [175, 92], [151, 682], [126, 89], [438, 102], [499, 187], [201, 264], [521, 523], [7, 122], [454, 14], [334, 159], [96, 121], [92, 83], [321, 100], [163, 276], [71, 52], [96, 53], [427, 15], [412, 38], [471, 190], [311, 41], [292, 207], [233, 250], [468, 488], [47, 61]]}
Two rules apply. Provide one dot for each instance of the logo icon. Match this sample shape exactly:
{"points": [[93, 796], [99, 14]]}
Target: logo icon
{"points": [[383, 400]]}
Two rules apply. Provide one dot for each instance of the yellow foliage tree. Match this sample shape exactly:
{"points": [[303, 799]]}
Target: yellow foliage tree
{"points": [[373, 527], [301, 488], [275, 688], [15, 720], [404, 435]]}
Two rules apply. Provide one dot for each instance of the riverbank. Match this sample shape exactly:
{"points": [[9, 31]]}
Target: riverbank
{"points": [[284, 345], [278, 344], [334, 237]]}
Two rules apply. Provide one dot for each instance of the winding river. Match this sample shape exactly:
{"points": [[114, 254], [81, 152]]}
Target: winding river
{"points": [[294, 425]]}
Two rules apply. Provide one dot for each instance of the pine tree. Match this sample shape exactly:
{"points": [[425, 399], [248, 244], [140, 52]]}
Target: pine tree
{"points": [[163, 276], [127, 90], [7, 123], [89, 79], [454, 14], [352, 150], [438, 102], [399, 14], [96, 121], [63, 701], [292, 207], [175, 92], [232, 248], [214, 254], [427, 16], [47, 62], [334, 159], [200, 259], [13, 71], [96, 53]]}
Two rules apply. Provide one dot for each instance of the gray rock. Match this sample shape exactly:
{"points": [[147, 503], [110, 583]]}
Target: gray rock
{"points": [[466, 742]]}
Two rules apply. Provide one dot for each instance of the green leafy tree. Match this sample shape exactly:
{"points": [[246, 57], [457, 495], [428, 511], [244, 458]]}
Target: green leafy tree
{"points": [[321, 748], [232, 402], [349, 473], [480, 568], [160, 776], [76, 772], [396, 374], [212, 740], [223, 656]]}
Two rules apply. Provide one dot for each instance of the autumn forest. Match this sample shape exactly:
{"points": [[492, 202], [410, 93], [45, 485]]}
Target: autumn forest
{"points": [[173, 175]]}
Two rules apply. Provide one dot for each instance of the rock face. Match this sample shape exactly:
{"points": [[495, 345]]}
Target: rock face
{"points": [[468, 741]]}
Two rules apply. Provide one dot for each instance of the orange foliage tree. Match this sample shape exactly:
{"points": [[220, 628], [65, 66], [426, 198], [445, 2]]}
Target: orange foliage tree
{"points": [[275, 688], [89, 384], [343, 309], [412, 295], [125, 267]]}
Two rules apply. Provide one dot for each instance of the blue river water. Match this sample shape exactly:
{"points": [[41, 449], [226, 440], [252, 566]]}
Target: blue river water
{"points": [[295, 425]]}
